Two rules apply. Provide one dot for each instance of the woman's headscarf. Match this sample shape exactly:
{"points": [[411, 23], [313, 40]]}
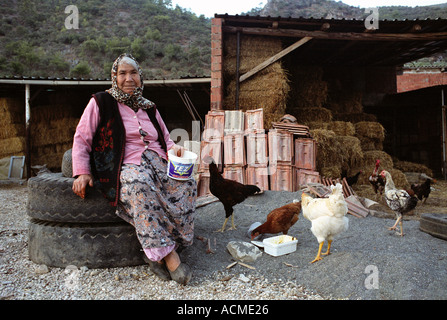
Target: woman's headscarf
{"points": [[134, 100]]}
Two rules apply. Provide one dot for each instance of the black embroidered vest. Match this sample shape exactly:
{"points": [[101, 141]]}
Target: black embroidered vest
{"points": [[108, 145]]}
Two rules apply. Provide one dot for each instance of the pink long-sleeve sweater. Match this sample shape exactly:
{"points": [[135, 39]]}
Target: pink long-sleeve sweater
{"points": [[134, 145]]}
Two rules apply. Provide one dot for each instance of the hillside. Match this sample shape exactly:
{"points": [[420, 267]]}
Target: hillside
{"points": [[338, 10], [169, 42]]}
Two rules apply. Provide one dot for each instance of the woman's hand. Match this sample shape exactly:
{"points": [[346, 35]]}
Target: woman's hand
{"points": [[179, 151], [80, 184]]}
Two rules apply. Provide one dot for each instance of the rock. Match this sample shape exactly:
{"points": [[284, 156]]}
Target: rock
{"points": [[243, 251], [41, 269], [243, 278]]}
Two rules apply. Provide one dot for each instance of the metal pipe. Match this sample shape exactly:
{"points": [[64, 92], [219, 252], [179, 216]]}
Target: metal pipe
{"points": [[238, 51], [444, 128], [27, 131]]}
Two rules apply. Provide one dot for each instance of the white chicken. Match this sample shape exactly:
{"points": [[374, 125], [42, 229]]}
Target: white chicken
{"points": [[400, 201], [328, 217]]}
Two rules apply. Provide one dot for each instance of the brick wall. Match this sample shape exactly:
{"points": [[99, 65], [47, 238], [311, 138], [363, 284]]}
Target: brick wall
{"points": [[216, 64], [414, 81]]}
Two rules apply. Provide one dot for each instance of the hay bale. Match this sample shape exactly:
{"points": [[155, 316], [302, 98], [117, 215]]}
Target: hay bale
{"points": [[331, 172], [317, 125], [354, 117], [309, 115], [368, 162], [12, 111], [373, 130], [342, 128], [343, 101], [370, 157], [351, 151], [12, 146], [371, 135], [267, 89], [53, 132], [11, 130], [328, 149], [399, 179], [406, 166], [307, 87]]}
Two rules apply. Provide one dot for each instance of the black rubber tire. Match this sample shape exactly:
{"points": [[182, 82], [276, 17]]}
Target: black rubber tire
{"points": [[66, 164], [51, 198], [434, 224], [93, 246]]}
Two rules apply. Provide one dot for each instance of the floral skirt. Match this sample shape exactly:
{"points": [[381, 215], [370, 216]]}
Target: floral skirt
{"points": [[161, 209]]}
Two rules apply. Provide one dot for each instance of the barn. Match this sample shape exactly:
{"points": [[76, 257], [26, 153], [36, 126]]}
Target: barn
{"points": [[338, 78]]}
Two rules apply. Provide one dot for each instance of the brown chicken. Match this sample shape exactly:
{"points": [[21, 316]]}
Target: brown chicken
{"points": [[279, 220], [229, 192]]}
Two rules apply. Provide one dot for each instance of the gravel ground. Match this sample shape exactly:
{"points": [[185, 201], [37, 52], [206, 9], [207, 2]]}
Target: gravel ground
{"points": [[367, 262]]}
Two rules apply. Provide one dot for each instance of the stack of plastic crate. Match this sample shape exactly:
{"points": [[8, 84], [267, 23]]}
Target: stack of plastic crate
{"points": [[234, 146], [280, 145], [211, 145]]}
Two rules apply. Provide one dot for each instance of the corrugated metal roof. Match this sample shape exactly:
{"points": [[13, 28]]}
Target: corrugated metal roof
{"points": [[98, 81]]}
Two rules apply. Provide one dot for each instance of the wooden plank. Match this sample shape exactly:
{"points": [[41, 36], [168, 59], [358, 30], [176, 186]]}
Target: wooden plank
{"points": [[273, 59], [294, 33], [355, 207]]}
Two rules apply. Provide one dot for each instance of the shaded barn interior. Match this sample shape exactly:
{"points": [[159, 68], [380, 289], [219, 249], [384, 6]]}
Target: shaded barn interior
{"points": [[413, 124], [55, 111]]}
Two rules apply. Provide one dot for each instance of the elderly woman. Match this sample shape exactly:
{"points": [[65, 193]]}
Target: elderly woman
{"points": [[120, 146]]}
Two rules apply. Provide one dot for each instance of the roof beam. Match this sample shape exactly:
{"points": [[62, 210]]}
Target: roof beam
{"points": [[273, 59], [365, 36]]}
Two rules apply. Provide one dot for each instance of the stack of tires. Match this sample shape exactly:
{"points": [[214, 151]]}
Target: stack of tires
{"points": [[67, 230]]}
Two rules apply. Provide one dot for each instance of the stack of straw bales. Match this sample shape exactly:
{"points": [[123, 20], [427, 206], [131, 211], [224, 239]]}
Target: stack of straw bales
{"points": [[12, 123], [347, 138], [267, 89], [52, 131]]}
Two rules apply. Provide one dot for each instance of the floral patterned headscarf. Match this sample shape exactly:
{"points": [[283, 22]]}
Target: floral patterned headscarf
{"points": [[134, 100]]}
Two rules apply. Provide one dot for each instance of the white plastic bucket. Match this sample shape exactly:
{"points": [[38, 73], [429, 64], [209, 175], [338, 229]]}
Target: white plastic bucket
{"points": [[181, 168]]}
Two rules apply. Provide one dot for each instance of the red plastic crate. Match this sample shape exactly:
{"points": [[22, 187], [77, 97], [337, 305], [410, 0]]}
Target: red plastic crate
{"points": [[254, 120], [281, 177], [280, 147], [234, 149], [211, 148], [303, 177], [305, 154], [257, 175], [235, 173], [214, 125], [203, 184], [257, 152]]}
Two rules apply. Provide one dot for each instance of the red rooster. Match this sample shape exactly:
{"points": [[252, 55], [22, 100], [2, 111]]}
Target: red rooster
{"points": [[229, 192], [279, 220], [377, 181]]}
